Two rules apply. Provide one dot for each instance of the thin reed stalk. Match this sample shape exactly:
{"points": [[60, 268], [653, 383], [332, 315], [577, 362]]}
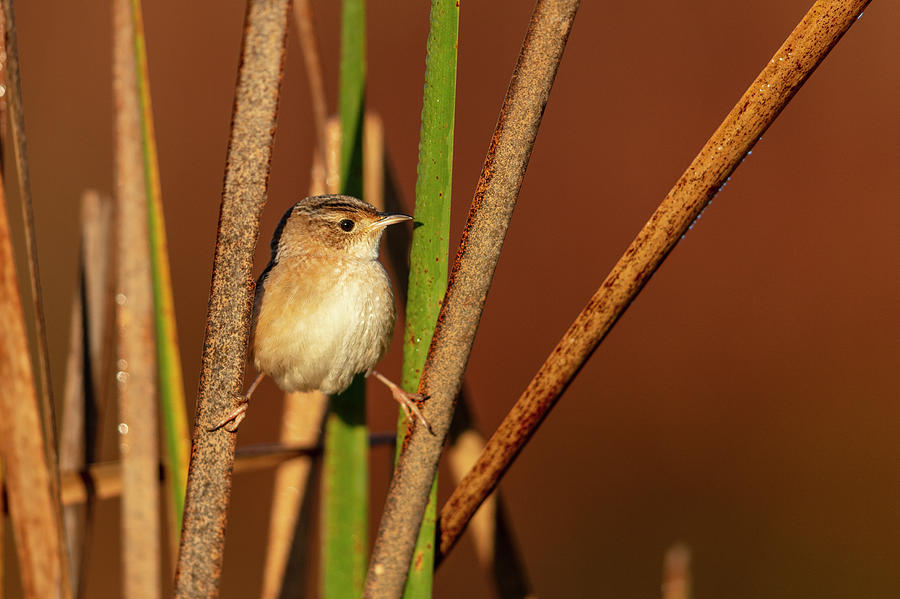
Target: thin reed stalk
{"points": [[171, 383], [460, 313], [231, 296], [809, 43], [345, 472], [72, 431], [430, 246], [136, 362]]}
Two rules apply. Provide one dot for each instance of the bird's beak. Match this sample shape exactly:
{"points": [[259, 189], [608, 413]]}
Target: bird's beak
{"points": [[389, 219]]}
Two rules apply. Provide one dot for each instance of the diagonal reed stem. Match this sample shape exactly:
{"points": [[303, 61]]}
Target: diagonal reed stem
{"points": [[479, 250], [231, 296], [792, 64]]}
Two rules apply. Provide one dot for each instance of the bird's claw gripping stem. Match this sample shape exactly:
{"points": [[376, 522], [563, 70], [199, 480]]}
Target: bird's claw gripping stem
{"points": [[231, 422], [406, 400]]}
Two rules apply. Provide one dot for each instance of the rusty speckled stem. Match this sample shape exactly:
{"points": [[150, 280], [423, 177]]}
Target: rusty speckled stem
{"points": [[767, 96], [479, 249], [231, 296]]}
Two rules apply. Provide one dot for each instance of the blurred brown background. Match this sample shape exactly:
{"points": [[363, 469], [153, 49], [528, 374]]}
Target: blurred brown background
{"points": [[746, 404]]}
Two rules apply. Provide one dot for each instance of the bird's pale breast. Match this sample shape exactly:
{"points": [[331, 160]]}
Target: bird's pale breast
{"points": [[319, 322]]}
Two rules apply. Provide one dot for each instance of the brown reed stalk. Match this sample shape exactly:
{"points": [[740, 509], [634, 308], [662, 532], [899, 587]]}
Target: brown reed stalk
{"points": [[809, 43], [31, 477], [231, 296], [136, 374], [470, 279]]}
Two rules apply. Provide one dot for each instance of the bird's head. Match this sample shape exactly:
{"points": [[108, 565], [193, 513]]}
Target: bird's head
{"points": [[332, 225]]}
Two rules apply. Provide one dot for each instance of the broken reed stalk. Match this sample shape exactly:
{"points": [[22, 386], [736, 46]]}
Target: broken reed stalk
{"points": [[767, 96], [479, 250], [231, 296], [31, 479], [136, 375]]}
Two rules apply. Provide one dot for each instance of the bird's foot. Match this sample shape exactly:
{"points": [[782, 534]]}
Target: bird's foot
{"points": [[231, 422], [408, 401]]}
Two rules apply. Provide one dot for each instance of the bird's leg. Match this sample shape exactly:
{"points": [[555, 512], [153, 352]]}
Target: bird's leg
{"points": [[234, 419], [406, 400]]}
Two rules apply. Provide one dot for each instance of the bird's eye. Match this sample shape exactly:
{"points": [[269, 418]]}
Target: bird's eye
{"points": [[346, 225]]}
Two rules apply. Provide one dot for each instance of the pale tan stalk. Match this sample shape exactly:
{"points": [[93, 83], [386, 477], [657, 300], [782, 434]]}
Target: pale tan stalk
{"points": [[136, 374]]}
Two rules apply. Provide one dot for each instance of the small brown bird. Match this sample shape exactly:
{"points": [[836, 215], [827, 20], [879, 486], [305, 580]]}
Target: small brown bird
{"points": [[324, 309]]}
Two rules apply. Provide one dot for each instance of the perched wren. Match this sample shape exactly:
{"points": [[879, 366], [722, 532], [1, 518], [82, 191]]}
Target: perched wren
{"points": [[324, 309]]}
